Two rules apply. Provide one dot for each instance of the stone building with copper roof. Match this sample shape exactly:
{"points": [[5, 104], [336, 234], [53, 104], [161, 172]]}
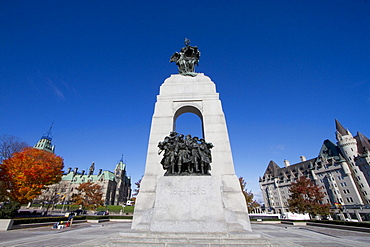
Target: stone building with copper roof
{"points": [[342, 171], [116, 186]]}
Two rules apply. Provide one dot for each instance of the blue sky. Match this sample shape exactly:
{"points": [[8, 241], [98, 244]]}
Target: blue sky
{"points": [[284, 70]]}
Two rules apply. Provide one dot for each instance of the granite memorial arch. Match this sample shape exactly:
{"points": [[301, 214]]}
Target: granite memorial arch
{"points": [[212, 203]]}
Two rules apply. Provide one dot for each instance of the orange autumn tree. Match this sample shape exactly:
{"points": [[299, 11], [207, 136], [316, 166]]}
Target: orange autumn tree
{"points": [[90, 195], [28, 172], [248, 195]]}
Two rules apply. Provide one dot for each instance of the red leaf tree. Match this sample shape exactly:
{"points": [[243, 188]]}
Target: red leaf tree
{"points": [[306, 197], [89, 195], [28, 172]]}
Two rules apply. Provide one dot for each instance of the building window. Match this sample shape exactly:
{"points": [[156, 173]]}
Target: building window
{"points": [[349, 199]]}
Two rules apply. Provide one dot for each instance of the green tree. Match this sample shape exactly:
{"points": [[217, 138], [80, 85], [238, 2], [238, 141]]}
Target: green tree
{"points": [[306, 197], [248, 195]]}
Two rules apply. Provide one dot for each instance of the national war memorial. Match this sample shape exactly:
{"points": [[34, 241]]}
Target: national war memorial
{"points": [[189, 192]]}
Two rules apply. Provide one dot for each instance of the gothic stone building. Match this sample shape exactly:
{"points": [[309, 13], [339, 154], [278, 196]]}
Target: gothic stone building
{"points": [[342, 171], [116, 186]]}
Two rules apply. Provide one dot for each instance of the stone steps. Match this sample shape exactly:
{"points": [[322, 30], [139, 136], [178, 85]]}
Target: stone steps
{"points": [[188, 239], [189, 242]]}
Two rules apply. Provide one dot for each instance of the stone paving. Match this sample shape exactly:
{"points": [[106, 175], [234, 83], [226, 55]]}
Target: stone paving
{"points": [[283, 235], [88, 234]]}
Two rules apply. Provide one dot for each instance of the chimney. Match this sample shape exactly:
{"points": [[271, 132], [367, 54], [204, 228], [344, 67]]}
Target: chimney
{"points": [[303, 158], [69, 170], [75, 170], [100, 171], [286, 162], [82, 173]]}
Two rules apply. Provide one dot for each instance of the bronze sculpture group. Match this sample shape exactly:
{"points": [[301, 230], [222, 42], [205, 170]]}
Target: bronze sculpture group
{"points": [[185, 155]]}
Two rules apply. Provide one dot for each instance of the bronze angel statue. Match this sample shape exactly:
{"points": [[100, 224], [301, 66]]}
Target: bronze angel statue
{"points": [[186, 59]]}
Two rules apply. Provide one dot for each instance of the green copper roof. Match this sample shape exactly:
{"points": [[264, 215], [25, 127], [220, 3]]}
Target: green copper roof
{"points": [[78, 178]]}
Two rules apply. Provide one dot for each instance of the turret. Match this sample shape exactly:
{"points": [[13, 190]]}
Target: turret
{"points": [[92, 168], [45, 142], [346, 142]]}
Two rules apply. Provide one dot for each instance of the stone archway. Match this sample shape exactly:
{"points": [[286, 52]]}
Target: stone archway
{"points": [[188, 109], [169, 203]]}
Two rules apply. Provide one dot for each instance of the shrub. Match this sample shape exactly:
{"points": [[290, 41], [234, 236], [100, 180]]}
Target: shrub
{"points": [[346, 223], [114, 208], [97, 217], [120, 217], [129, 209], [19, 221], [9, 209]]}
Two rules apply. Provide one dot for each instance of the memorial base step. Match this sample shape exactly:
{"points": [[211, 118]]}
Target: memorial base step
{"points": [[137, 238]]}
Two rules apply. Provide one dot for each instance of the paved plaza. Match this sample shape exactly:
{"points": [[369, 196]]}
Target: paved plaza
{"points": [[108, 234]]}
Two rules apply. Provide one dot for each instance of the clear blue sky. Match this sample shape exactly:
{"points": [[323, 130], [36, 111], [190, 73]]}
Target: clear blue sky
{"points": [[284, 70]]}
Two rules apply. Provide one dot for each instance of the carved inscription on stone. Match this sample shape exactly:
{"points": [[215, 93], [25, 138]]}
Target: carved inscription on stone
{"points": [[191, 191]]}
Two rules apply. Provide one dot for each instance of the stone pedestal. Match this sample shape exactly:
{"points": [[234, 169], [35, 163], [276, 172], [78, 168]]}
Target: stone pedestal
{"points": [[190, 203]]}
